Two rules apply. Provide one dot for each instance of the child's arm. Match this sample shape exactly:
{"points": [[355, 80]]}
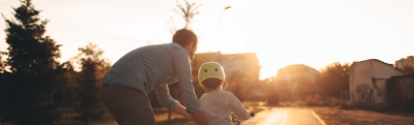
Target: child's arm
{"points": [[238, 109]]}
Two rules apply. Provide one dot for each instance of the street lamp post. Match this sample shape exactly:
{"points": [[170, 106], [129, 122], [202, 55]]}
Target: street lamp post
{"points": [[221, 16]]}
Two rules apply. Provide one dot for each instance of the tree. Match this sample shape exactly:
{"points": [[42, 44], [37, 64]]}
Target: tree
{"points": [[187, 11], [406, 65], [2, 73], [28, 91], [92, 69], [334, 79], [67, 93], [2, 63], [407, 70]]}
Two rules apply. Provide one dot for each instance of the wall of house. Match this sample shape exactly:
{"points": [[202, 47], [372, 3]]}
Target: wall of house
{"points": [[360, 83], [384, 71], [379, 93], [381, 72], [242, 72]]}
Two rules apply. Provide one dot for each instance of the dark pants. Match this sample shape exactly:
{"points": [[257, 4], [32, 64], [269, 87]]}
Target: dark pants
{"points": [[127, 105]]}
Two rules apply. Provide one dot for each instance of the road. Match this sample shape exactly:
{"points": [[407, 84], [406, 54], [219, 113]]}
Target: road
{"points": [[285, 116]]}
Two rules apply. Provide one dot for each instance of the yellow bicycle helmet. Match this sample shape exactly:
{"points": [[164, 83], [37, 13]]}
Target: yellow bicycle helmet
{"points": [[211, 70]]}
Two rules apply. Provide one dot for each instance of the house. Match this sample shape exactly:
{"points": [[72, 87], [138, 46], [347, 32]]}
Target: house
{"points": [[296, 81], [246, 64], [368, 82], [240, 63], [291, 72]]}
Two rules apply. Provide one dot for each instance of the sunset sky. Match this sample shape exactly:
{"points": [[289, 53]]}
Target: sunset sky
{"points": [[281, 32]]}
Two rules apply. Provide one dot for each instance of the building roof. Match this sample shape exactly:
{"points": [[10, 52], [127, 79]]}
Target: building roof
{"points": [[392, 65], [293, 70], [377, 60]]}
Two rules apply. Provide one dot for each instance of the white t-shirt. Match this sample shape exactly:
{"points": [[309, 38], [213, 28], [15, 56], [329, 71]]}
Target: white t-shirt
{"points": [[218, 106]]}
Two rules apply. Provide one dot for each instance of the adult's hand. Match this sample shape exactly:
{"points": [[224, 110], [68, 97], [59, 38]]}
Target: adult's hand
{"points": [[180, 109], [198, 117]]}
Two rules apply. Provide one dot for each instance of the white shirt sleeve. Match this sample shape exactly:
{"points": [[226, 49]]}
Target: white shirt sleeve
{"points": [[237, 107]]}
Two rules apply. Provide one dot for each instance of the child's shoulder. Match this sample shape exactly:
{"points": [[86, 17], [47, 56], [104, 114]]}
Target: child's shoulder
{"points": [[227, 92], [217, 93]]}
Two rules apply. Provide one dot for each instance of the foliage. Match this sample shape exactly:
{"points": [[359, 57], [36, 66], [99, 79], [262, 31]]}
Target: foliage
{"points": [[187, 11], [2, 63], [406, 65], [28, 89], [334, 79], [92, 68], [407, 70]]}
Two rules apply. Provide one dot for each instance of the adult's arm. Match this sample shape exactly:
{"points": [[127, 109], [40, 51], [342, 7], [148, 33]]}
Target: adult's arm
{"points": [[170, 103], [197, 117], [164, 97], [181, 63]]}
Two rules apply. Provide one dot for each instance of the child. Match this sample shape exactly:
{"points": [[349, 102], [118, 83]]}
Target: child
{"points": [[216, 103]]}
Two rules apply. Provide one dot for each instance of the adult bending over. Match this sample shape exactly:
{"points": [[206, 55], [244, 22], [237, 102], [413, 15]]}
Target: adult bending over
{"points": [[129, 81]]}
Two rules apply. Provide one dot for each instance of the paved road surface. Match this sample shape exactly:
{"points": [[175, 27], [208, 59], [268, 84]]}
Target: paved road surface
{"points": [[285, 116]]}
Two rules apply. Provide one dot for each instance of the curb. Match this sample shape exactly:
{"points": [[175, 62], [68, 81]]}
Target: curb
{"points": [[318, 118]]}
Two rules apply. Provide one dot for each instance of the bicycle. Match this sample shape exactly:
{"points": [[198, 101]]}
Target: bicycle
{"points": [[237, 121]]}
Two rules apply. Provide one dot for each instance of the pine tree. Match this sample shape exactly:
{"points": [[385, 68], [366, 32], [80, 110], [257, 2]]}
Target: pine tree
{"points": [[28, 90], [2, 63], [92, 67]]}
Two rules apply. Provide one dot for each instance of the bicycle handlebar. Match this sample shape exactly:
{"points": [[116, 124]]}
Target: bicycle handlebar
{"points": [[237, 121]]}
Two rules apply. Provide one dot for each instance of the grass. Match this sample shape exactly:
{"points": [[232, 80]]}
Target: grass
{"points": [[337, 116]]}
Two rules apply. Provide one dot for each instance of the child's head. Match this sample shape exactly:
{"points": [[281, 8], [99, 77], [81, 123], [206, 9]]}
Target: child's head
{"points": [[211, 76], [212, 83]]}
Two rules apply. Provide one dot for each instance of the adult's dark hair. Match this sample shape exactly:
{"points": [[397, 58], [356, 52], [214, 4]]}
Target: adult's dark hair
{"points": [[185, 37], [212, 83]]}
